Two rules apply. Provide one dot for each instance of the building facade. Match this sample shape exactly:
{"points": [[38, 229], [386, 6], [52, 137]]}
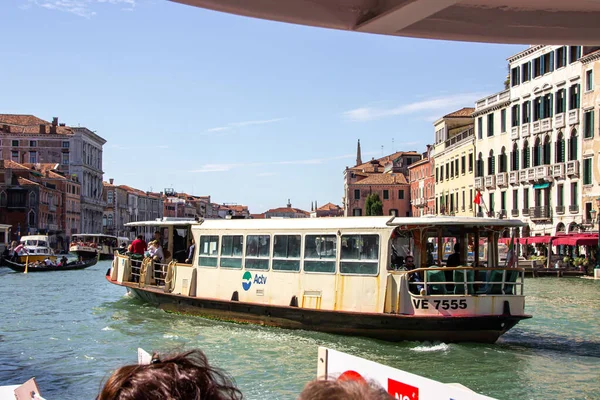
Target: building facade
{"points": [[529, 141], [453, 158], [286, 212], [422, 185]]}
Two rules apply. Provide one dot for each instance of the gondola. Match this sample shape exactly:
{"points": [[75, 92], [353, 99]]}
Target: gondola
{"points": [[17, 267]]}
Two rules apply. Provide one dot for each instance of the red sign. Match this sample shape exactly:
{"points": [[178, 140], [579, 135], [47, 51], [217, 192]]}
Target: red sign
{"points": [[402, 391]]}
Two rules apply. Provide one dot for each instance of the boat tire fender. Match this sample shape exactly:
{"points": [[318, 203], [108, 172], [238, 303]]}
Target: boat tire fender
{"points": [[235, 296], [506, 308], [294, 301]]}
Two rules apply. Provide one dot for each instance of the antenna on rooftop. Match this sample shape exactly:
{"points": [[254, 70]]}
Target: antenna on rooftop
{"points": [[381, 150], [393, 146]]}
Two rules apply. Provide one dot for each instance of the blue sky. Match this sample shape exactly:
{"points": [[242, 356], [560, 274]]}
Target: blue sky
{"points": [[248, 111]]}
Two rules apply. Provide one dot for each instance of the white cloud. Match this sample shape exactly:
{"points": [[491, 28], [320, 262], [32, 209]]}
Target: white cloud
{"points": [[82, 8], [229, 167], [438, 104], [241, 124]]}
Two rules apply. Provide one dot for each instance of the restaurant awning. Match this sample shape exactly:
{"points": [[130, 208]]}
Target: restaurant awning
{"points": [[576, 240], [537, 239]]}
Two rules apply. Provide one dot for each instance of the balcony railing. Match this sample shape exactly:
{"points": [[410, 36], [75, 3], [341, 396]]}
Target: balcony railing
{"points": [[513, 177], [573, 117], [558, 171], [543, 173], [514, 212], [466, 134], [531, 174], [560, 209], [479, 182], [525, 212], [574, 209], [535, 127], [539, 213], [523, 176], [502, 179], [514, 132], [559, 120], [525, 130], [546, 124], [573, 168], [493, 99], [490, 181]]}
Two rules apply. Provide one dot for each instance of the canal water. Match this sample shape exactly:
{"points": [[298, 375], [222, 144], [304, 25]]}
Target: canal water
{"points": [[71, 329]]}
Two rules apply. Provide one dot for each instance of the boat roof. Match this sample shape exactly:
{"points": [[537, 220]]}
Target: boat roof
{"points": [[380, 222], [166, 221], [34, 237], [94, 235]]}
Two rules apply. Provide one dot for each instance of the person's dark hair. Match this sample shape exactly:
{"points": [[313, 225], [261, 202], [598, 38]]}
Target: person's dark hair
{"points": [[141, 237], [456, 247], [343, 390], [180, 376]]}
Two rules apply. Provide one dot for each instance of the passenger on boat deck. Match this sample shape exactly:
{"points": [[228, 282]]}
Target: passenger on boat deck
{"points": [[343, 389], [454, 258], [155, 251], [158, 237], [138, 246], [48, 261], [190, 255], [185, 376]]}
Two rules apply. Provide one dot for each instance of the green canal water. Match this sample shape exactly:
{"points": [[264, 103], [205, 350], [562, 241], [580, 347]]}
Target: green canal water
{"points": [[71, 329]]}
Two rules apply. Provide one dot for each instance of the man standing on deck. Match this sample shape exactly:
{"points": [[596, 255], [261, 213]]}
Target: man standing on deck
{"points": [[138, 246]]}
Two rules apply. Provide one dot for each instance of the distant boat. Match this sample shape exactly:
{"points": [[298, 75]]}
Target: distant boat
{"points": [[88, 245], [17, 267]]}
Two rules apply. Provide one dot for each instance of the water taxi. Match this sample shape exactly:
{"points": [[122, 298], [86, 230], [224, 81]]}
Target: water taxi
{"points": [[89, 245], [35, 248], [340, 275]]}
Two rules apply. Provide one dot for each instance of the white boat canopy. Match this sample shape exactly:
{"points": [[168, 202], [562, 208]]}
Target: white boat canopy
{"points": [[572, 22]]}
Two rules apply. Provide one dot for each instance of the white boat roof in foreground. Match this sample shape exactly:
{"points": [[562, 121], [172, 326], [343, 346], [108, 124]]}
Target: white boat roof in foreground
{"points": [[93, 235], [164, 222], [381, 222], [496, 21]]}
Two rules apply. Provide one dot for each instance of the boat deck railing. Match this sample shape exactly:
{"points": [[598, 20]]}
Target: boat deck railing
{"points": [[157, 271], [466, 280]]}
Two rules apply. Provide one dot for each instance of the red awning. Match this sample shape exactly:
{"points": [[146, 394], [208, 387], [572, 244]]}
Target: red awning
{"points": [[507, 240], [576, 240], [537, 239]]}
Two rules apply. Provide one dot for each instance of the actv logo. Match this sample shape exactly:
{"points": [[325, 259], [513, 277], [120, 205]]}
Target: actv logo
{"points": [[247, 280], [402, 391]]}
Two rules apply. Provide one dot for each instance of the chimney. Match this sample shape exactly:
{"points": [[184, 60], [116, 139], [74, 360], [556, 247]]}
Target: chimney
{"points": [[42, 129], [55, 121], [111, 180], [289, 204], [6, 128], [62, 124]]}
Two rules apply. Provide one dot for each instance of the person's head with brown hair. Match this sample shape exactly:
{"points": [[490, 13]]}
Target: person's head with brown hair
{"points": [[180, 376], [343, 389]]}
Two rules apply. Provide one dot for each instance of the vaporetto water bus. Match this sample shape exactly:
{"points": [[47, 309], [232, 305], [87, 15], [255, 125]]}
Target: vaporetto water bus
{"points": [[91, 245], [339, 275]]}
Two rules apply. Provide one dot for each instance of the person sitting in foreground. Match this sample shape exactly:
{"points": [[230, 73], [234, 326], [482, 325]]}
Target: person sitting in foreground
{"points": [[186, 376], [343, 390]]}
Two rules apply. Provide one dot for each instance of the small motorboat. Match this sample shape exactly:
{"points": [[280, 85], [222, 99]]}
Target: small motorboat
{"points": [[18, 267]]}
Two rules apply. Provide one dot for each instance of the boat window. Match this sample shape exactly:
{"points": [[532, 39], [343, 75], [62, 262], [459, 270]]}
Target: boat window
{"points": [[359, 254], [231, 251], [286, 252], [258, 251], [208, 251], [320, 253]]}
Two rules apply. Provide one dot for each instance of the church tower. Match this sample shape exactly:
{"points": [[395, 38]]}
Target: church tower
{"points": [[358, 157]]}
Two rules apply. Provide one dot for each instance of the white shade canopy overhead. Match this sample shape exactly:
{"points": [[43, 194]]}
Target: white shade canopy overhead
{"points": [[496, 21]]}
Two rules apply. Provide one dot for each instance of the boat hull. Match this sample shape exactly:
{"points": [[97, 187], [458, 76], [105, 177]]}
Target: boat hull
{"points": [[85, 254], [388, 327], [72, 266]]}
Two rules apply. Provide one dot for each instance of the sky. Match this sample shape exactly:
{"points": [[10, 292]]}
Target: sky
{"points": [[247, 111]]}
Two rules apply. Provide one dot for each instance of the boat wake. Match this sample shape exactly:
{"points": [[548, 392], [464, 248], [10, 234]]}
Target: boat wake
{"points": [[431, 348]]}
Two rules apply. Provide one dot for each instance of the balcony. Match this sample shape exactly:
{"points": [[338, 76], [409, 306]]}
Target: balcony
{"points": [[543, 173], [573, 168], [525, 212], [559, 120], [525, 130], [490, 181], [513, 177], [523, 176], [502, 214], [514, 212], [573, 117], [574, 209], [479, 182], [502, 179], [560, 210], [546, 124], [536, 127], [493, 99], [530, 174], [514, 132], [541, 213], [558, 171]]}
